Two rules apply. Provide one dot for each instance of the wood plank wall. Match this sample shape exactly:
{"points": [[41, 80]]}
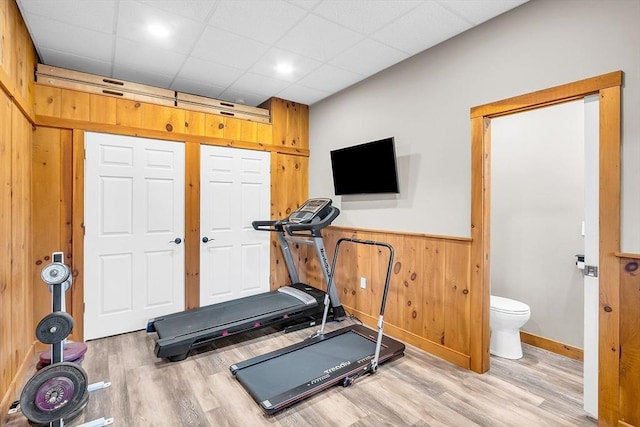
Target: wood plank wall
{"points": [[57, 113], [17, 336], [429, 296], [431, 274], [629, 339]]}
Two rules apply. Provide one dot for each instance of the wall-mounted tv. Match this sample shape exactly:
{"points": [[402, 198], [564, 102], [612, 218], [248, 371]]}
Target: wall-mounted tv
{"points": [[367, 168]]}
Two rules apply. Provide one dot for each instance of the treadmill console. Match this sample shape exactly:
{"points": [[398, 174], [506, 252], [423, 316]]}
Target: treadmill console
{"points": [[309, 210]]}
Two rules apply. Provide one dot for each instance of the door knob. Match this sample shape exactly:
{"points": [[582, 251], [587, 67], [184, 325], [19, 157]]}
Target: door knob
{"points": [[177, 241], [205, 239]]}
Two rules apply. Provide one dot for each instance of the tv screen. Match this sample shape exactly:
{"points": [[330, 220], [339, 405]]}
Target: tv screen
{"points": [[365, 168]]}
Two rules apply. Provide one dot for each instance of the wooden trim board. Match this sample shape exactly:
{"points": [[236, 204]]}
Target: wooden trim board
{"points": [[552, 346], [608, 86]]}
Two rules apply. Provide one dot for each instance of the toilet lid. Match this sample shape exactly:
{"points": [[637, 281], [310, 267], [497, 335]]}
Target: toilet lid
{"points": [[507, 305]]}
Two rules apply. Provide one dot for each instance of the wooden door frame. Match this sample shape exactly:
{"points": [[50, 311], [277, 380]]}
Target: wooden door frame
{"points": [[608, 87]]}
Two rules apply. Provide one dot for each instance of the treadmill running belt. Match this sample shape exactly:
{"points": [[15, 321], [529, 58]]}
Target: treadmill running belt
{"points": [[285, 373], [223, 314]]}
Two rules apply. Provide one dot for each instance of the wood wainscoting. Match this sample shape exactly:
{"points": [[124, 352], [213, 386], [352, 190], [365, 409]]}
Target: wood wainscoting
{"points": [[629, 339], [17, 326], [429, 296]]}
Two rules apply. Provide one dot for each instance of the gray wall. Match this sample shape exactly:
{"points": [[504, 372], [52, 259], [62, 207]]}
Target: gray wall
{"points": [[424, 103], [537, 209]]}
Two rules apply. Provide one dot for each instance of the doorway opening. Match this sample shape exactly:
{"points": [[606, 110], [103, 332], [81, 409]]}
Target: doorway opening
{"points": [[608, 88]]}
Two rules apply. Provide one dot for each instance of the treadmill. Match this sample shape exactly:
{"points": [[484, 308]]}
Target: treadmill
{"points": [[298, 305], [283, 377]]}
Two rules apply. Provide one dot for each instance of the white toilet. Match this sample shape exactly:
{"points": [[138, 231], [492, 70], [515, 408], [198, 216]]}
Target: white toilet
{"points": [[506, 318]]}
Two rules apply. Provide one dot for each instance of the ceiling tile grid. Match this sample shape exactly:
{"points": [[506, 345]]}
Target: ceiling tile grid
{"points": [[246, 51]]}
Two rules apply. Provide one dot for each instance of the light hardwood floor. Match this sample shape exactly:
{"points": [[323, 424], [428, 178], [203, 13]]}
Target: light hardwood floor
{"points": [[541, 389]]}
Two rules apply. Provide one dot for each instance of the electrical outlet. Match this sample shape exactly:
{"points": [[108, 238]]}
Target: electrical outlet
{"points": [[363, 282]]}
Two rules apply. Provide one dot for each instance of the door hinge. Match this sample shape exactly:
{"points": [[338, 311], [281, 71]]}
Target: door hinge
{"points": [[590, 270]]}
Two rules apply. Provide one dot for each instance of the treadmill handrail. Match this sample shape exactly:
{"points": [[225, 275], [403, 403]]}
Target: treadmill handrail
{"points": [[267, 225], [313, 227], [374, 362]]}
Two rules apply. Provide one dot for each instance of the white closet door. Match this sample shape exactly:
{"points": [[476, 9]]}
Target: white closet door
{"points": [[134, 226], [234, 191]]}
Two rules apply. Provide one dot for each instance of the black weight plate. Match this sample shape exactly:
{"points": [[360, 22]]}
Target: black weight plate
{"points": [[55, 273], [54, 327], [83, 404], [53, 393]]}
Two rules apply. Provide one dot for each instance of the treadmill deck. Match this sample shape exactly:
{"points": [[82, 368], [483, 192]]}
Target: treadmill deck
{"points": [[280, 378], [179, 332]]}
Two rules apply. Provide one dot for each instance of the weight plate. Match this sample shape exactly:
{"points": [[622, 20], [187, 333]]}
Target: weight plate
{"points": [[83, 404], [54, 327], [71, 352], [55, 392], [55, 273]]}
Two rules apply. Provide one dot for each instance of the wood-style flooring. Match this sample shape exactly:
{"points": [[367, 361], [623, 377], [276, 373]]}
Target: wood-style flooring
{"points": [[541, 389]]}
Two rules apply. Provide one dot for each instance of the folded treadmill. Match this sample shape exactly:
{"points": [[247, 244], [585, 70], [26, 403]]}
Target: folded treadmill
{"points": [[280, 378]]}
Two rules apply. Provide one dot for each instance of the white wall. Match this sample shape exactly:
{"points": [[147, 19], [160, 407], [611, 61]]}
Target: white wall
{"points": [[537, 209], [425, 101]]}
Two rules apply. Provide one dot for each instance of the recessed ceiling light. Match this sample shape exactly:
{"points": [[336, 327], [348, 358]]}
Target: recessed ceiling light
{"points": [[158, 30], [284, 68]]}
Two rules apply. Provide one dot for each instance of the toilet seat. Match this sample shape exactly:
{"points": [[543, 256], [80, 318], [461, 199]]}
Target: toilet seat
{"points": [[508, 306]]}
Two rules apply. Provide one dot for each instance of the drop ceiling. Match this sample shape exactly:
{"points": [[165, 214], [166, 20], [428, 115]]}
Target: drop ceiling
{"points": [[233, 50]]}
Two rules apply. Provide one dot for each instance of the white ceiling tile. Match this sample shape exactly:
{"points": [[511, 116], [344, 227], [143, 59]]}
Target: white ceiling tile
{"points": [[307, 4], [330, 78], [140, 75], [73, 62], [368, 57], [360, 16], [303, 94], [265, 21], [245, 98], [301, 65], [131, 55], [196, 87], [198, 10], [425, 26], [229, 49], [259, 84], [232, 47], [318, 38], [97, 15], [134, 19], [478, 11], [54, 35], [208, 72]]}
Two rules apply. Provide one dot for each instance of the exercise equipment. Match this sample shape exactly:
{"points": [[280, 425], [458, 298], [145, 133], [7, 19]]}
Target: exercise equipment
{"points": [[54, 393], [72, 352], [54, 327], [59, 390], [283, 377], [296, 306]]}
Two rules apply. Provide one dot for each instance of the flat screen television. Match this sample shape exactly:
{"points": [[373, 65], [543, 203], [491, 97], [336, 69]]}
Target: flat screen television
{"points": [[368, 168]]}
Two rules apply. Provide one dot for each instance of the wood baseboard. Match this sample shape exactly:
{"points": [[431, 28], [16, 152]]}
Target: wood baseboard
{"points": [[438, 350], [17, 383], [552, 346]]}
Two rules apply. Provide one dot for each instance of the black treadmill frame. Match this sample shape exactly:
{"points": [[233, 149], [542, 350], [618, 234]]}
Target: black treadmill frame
{"points": [[346, 373], [303, 226], [176, 347], [343, 375]]}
